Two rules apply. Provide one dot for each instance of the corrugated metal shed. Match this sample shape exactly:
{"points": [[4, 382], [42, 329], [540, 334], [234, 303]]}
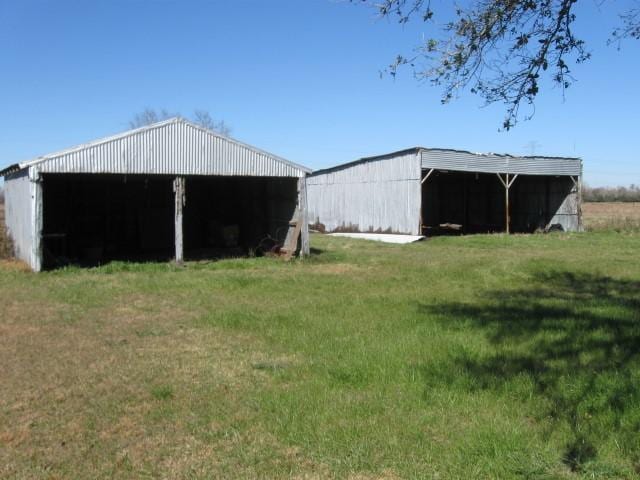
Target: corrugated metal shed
{"points": [[172, 147], [175, 147], [384, 192], [357, 198], [463, 161]]}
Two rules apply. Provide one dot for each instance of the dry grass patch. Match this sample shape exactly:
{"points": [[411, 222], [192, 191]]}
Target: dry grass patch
{"points": [[6, 249], [127, 390], [621, 216], [336, 268]]}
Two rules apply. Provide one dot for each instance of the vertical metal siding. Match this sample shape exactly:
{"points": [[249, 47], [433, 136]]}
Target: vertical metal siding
{"points": [[567, 214], [18, 213], [172, 148], [376, 195]]}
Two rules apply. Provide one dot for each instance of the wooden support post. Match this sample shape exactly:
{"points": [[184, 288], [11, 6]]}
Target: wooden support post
{"points": [[424, 179], [579, 200], [507, 185], [506, 197], [180, 201], [36, 220], [577, 183], [302, 206]]}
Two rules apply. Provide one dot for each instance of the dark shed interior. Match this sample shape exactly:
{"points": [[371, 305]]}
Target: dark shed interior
{"points": [[237, 215], [90, 219], [461, 202]]}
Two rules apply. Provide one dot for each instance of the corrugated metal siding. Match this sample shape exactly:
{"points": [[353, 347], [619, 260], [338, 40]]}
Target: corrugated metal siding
{"points": [[377, 195], [567, 213], [488, 163], [18, 214], [173, 148]]}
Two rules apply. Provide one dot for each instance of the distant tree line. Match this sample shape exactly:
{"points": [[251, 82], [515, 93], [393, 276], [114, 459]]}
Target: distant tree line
{"points": [[611, 194]]}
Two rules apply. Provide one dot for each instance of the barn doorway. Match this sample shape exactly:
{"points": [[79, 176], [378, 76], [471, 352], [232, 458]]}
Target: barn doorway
{"points": [[90, 219], [227, 216], [466, 202]]}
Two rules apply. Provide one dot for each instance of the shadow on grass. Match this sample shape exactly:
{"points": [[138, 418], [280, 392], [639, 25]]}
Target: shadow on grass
{"points": [[576, 337]]}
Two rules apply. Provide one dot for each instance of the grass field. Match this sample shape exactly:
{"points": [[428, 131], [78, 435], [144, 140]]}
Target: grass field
{"points": [[461, 357], [617, 216]]}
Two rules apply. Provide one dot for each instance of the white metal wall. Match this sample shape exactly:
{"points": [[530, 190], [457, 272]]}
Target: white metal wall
{"points": [[18, 213], [568, 213], [375, 195]]}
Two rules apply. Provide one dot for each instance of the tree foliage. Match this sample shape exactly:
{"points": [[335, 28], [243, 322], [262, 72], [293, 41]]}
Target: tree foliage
{"points": [[200, 117], [611, 194], [499, 49]]}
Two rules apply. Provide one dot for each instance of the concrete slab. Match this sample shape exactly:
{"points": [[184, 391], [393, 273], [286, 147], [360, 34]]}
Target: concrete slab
{"points": [[382, 237]]}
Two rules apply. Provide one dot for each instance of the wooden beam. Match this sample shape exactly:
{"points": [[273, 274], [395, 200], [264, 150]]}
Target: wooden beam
{"points": [[506, 183], [427, 176], [501, 180], [302, 205], [577, 182], [506, 208], [573, 179], [37, 221], [179, 188]]}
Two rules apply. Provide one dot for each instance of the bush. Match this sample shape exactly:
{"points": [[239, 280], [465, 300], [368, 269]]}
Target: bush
{"points": [[611, 194], [6, 249]]}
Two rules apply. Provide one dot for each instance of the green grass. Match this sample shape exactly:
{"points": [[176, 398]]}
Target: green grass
{"points": [[467, 357]]}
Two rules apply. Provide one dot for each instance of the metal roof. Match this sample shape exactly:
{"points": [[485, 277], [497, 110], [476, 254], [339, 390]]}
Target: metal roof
{"points": [[462, 160], [175, 146]]}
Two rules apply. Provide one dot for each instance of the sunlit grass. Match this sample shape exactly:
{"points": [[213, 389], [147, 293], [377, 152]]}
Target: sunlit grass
{"points": [[468, 357]]}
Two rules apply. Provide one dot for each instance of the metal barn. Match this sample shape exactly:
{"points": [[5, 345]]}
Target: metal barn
{"points": [[431, 191], [168, 190]]}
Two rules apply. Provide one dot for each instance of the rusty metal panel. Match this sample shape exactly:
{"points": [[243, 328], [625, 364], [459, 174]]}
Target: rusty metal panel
{"points": [[172, 147], [463, 161], [18, 213], [378, 195]]}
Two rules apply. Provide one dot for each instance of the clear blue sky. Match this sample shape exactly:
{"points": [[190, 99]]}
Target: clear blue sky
{"points": [[295, 77]]}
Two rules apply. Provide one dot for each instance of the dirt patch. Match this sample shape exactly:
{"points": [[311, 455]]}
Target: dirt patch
{"points": [[334, 268], [384, 475], [13, 265]]}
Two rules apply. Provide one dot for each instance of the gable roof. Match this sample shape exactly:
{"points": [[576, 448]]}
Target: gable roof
{"points": [[173, 147]]}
